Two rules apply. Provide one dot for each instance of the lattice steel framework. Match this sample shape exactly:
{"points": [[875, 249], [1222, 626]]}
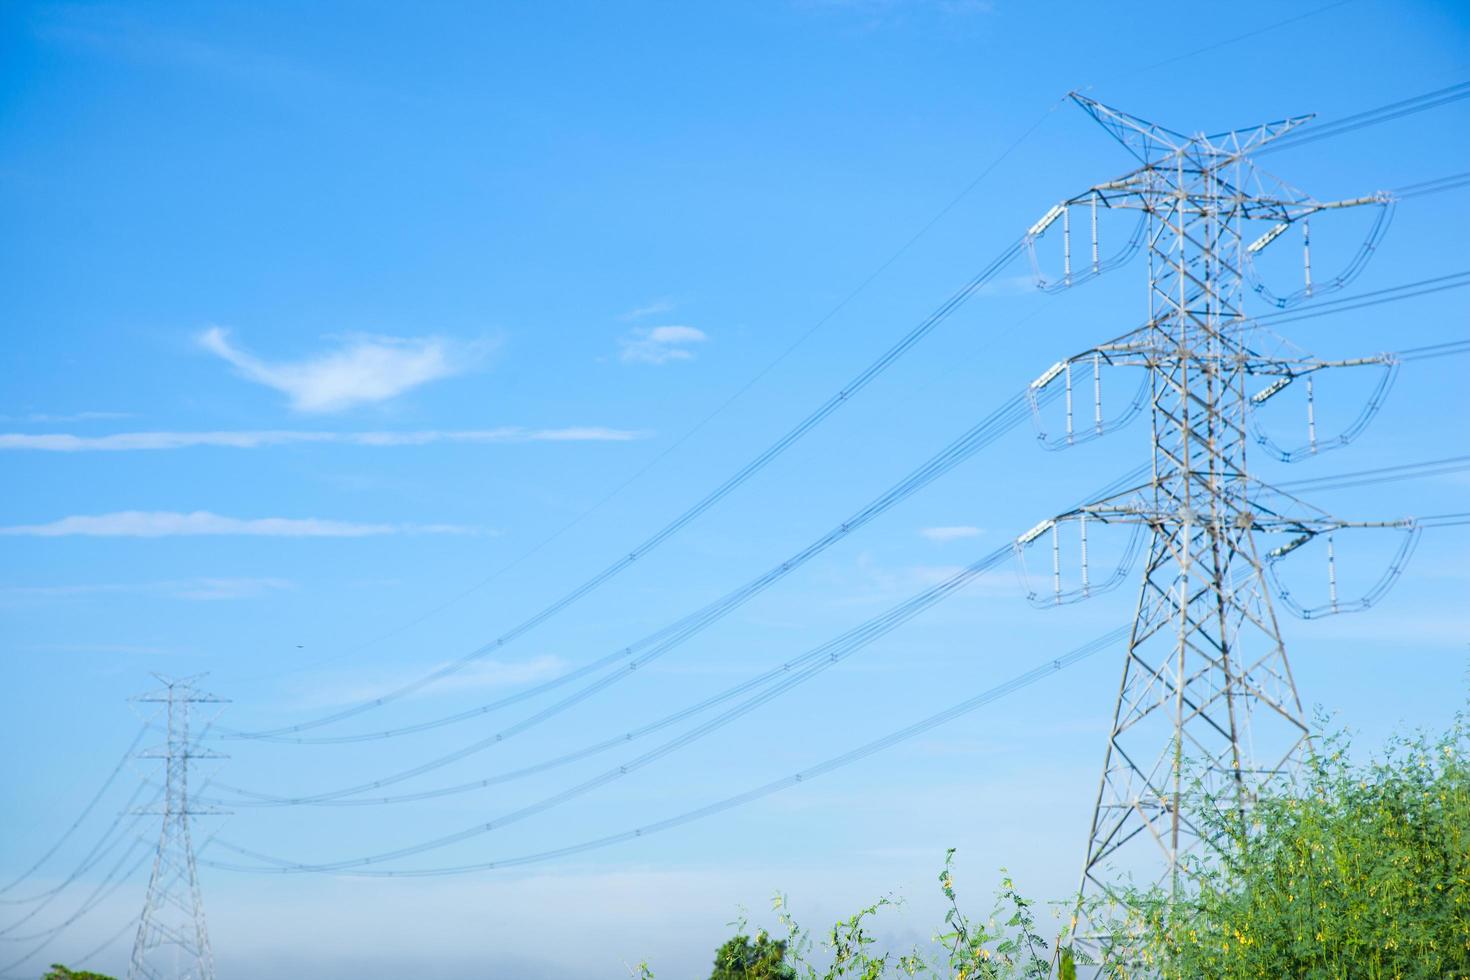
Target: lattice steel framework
{"points": [[1207, 707], [172, 939]]}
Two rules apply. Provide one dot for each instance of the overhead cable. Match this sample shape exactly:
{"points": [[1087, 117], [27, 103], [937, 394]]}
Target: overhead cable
{"points": [[811, 421], [1369, 117], [86, 812], [1382, 474], [824, 656], [833, 403], [1008, 416], [104, 846], [1016, 683], [842, 304]]}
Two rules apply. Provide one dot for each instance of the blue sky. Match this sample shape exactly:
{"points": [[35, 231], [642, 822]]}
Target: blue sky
{"points": [[319, 317]]}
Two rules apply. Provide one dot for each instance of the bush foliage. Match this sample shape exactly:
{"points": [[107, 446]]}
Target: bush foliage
{"points": [[1355, 873], [59, 972], [760, 959], [1363, 872]]}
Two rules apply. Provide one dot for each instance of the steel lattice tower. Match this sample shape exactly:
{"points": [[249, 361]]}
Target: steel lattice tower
{"points": [[173, 940], [1207, 709]]}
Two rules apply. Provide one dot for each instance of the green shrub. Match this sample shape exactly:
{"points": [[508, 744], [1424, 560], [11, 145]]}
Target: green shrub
{"points": [[59, 972], [1352, 873], [1361, 872], [1004, 947], [744, 959]]}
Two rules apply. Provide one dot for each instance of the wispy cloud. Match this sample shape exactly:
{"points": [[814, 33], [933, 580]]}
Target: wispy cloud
{"points": [[61, 442], [68, 417], [648, 309], [659, 345], [197, 589], [1020, 285], [128, 649], [952, 533], [161, 524], [482, 675], [877, 581], [366, 369], [115, 31]]}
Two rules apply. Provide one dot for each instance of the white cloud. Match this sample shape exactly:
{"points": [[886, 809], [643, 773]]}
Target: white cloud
{"points": [[120, 648], [119, 32], [952, 533], [69, 417], [657, 306], [365, 370], [659, 345], [479, 676], [927, 575], [198, 589], [1021, 285], [62, 442], [587, 434], [880, 582], [159, 524]]}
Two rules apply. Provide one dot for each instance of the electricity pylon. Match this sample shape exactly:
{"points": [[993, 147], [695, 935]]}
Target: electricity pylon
{"points": [[173, 940], [1207, 712]]}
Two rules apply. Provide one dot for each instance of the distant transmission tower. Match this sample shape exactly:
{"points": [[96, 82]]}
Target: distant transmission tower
{"points": [[173, 941], [1207, 708]]}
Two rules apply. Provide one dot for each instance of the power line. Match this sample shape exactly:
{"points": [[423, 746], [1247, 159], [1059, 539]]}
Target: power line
{"points": [[112, 882], [813, 663], [1000, 421], [96, 951], [929, 471], [104, 846], [103, 891], [669, 637], [1435, 350], [788, 675], [735, 396], [811, 421], [1371, 117], [66, 834], [1424, 287], [1014, 684], [1429, 100], [873, 629], [671, 745], [816, 660], [115, 878], [1009, 415], [1188, 55], [588, 785], [1382, 474], [1436, 186]]}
